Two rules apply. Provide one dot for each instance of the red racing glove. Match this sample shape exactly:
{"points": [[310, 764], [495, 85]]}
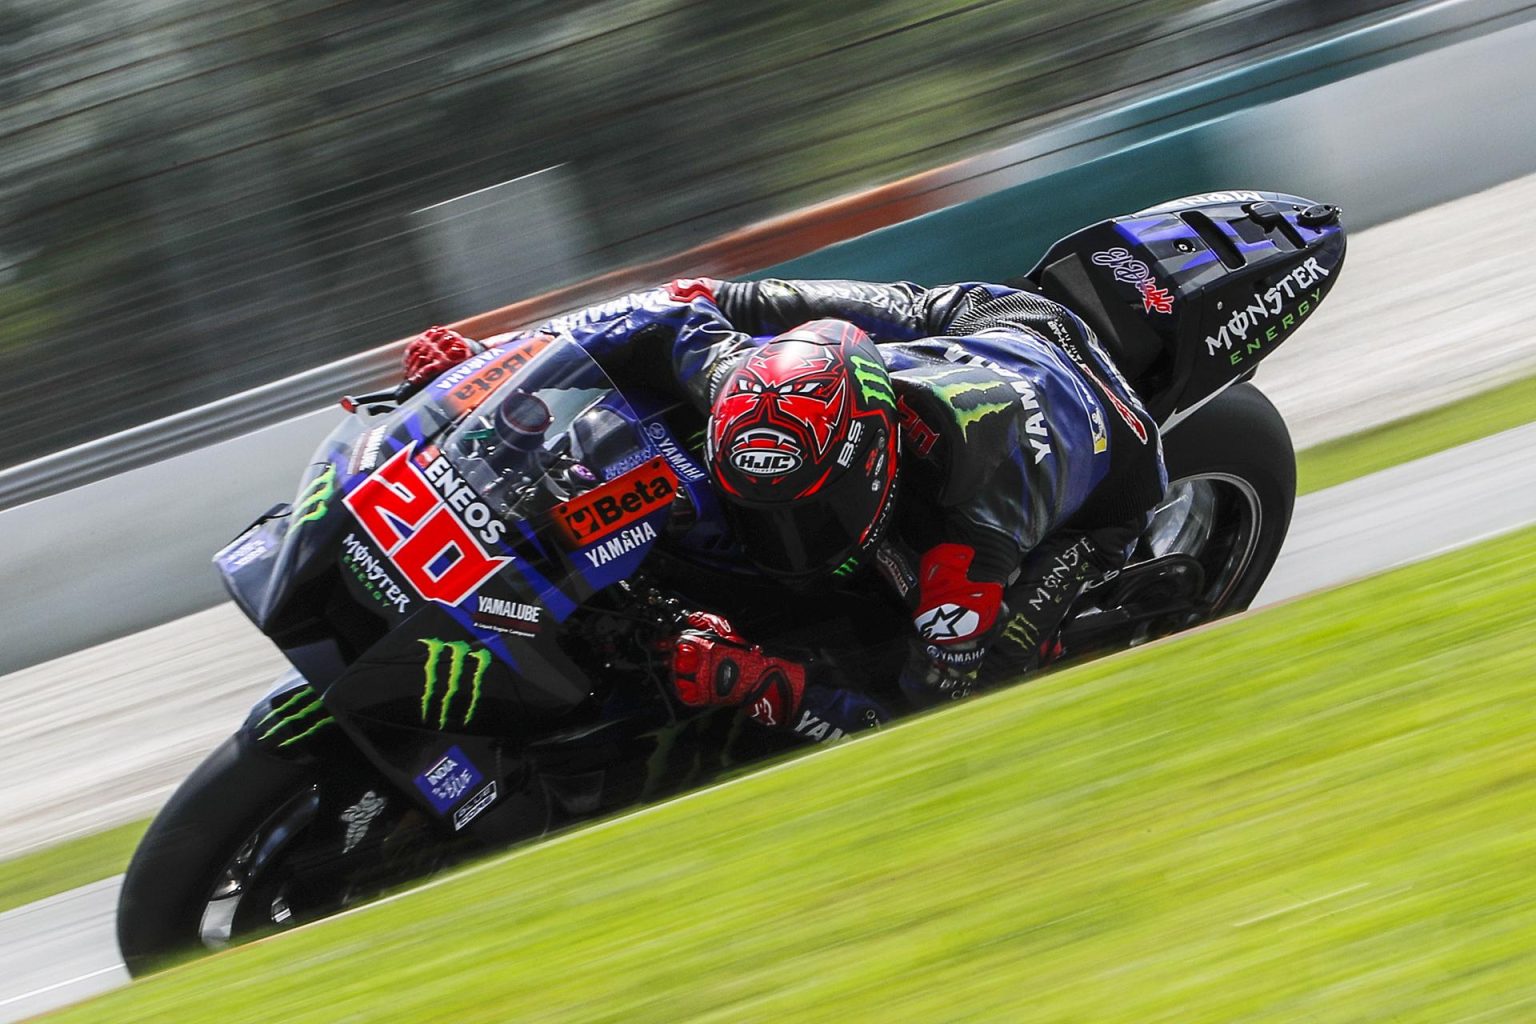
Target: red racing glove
{"points": [[434, 350], [712, 666]]}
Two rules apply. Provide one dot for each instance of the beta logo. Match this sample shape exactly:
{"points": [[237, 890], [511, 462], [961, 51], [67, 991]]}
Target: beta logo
{"points": [[620, 502], [467, 385], [430, 524]]}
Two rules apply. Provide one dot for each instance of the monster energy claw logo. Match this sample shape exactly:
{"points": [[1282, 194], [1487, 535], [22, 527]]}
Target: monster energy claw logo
{"points": [[316, 501], [458, 652], [300, 715], [874, 382], [1022, 632], [974, 410]]}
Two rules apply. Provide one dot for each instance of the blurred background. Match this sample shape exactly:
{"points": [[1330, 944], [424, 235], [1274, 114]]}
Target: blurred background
{"points": [[203, 197]]}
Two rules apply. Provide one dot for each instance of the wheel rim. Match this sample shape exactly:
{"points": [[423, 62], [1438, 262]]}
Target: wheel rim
{"points": [[289, 869], [1215, 518], [245, 880]]}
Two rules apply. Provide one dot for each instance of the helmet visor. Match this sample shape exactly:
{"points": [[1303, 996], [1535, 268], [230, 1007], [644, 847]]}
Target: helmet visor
{"points": [[813, 535]]}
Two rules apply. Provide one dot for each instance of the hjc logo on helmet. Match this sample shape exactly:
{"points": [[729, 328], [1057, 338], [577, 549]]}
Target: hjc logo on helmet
{"points": [[765, 452]]}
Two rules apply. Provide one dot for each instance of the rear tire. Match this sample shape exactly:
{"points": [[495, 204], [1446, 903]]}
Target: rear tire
{"points": [[1236, 452]]}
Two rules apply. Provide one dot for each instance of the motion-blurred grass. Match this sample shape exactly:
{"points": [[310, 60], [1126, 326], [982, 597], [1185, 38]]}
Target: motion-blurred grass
{"points": [[1413, 437], [65, 865], [1321, 812]]}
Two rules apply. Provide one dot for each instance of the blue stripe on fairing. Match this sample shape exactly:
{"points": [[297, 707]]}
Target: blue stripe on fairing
{"points": [[555, 599], [532, 537], [1159, 229]]}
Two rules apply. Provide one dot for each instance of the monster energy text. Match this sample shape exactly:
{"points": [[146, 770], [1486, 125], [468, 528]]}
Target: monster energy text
{"points": [[452, 676], [1264, 306], [370, 572]]}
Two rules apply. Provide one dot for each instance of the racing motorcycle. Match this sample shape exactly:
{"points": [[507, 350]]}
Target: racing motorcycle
{"points": [[473, 584]]}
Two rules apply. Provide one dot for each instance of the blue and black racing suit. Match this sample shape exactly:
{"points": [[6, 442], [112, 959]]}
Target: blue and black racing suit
{"points": [[1028, 462]]}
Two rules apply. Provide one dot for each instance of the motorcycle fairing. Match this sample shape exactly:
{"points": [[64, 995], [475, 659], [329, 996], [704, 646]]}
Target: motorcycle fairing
{"points": [[406, 676], [286, 719], [283, 549], [1190, 295]]}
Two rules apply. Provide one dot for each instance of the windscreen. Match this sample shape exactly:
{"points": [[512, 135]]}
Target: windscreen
{"points": [[556, 486], [531, 425]]}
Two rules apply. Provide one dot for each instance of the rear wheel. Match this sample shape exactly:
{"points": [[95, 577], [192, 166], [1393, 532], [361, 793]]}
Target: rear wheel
{"points": [[1215, 537], [1232, 488]]}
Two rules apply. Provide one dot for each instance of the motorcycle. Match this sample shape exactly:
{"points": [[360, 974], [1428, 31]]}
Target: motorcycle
{"points": [[473, 584]]}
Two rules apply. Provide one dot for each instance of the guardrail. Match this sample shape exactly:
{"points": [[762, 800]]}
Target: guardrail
{"points": [[121, 551]]}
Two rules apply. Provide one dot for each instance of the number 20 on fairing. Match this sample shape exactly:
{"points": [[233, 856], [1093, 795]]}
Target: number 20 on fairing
{"points": [[414, 526]]}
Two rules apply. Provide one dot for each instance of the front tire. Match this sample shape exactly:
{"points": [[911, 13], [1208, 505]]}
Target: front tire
{"points": [[234, 795], [251, 843]]}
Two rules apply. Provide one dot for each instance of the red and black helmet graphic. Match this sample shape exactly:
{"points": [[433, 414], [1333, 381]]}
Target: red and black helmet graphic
{"points": [[802, 444]]}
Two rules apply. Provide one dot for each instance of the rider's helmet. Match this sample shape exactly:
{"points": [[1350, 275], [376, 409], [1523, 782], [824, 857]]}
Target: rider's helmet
{"points": [[802, 446]]}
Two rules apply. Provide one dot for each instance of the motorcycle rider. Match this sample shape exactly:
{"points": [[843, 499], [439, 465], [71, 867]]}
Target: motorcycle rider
{"points": [[972, 445]]}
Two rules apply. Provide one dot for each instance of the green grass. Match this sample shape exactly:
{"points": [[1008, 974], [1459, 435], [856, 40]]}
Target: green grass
{"points": [[1413, 437], [66, 865], [1317, 813], [1512, 405]]}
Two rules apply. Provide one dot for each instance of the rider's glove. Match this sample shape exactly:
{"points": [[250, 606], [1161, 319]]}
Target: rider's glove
{"points": [[434, 350], [712, 665]]}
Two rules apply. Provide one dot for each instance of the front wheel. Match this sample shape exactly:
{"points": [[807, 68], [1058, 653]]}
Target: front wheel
{"points": [[250, 843]]}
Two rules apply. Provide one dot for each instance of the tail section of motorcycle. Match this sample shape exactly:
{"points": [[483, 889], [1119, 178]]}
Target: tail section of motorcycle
{"points": [[1190, 295]]}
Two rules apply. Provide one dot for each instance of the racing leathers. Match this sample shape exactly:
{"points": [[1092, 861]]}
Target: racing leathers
{"points": [[1028, 463]]}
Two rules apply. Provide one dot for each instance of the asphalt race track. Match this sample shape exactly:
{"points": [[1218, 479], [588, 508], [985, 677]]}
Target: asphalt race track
{"points": [[59, 950], [153, 704]]}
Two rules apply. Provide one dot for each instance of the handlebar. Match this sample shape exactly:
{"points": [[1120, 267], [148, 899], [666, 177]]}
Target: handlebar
{"points": [[381, 401]]}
